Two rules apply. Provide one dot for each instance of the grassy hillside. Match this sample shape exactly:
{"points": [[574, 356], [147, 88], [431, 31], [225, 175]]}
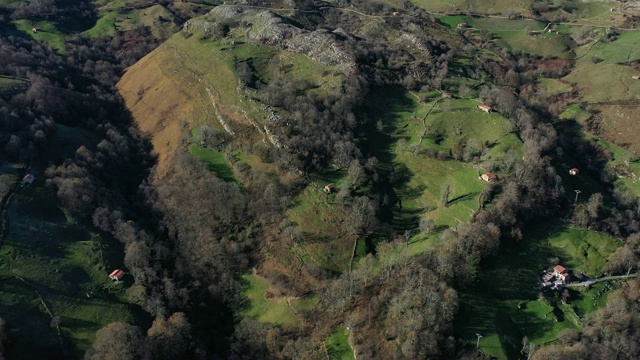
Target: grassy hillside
{"points": [[450, 122], [114, 18], [49, 257], [200, 76]]}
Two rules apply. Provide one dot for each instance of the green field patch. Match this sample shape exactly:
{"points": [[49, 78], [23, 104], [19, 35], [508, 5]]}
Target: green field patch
{"points": [[478, 314], [451, 121], [554, 86], [623, 50], [491, 7], [610, 79], [272, 310], [215, 160], [585, 182], [575, 112], [582, 250], [68, 265], [105, 26], [453, 21], [604, 82], [10, 86], [624, 166], [318, 214], [586, 301], [114, 19], [337, 345], [525, 35], [48, 33], [499, 24]]}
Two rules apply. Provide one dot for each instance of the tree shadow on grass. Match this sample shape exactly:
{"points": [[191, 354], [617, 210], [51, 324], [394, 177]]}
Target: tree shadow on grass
{"points": [[464, 197]]}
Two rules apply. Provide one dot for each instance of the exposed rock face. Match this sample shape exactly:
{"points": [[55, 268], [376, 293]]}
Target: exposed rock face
{"points": [[267, 28]]}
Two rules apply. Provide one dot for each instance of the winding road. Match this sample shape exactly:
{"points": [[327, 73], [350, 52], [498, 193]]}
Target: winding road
{"points": [[606, 278]]}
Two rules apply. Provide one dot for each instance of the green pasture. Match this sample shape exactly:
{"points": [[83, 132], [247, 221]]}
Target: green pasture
{"points": [[113, 19], [68, 265], [582, 250], [49, 34], [520, 35], [453, 20], [585, 301], [317, 214], [622, 50], [586, 182], [625, 165], [215, 160], [575, 112], [554, 86], [105, 26], [492, 7], [337, 345], [273, 311], [591, 12], [610, 79], [422, 178], [503, 305]]}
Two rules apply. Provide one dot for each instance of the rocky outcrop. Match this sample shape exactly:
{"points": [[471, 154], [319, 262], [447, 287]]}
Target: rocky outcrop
{"points": [[264, 27]]}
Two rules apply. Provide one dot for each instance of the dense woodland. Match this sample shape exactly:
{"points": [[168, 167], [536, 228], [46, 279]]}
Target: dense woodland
{"points": [[188, 238]]}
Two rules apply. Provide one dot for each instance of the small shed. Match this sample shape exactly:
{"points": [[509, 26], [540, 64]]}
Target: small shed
{"points": [[636, 77], [486, 108], [574, 171], [116, 275], [329, 188], [553, 30], [396, 13], [462, 25], [28, 179], [488, 177], [36, 29], [447, 95]]}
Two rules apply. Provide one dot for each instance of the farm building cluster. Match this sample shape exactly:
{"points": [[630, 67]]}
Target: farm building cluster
{"points": [[556, 278]]}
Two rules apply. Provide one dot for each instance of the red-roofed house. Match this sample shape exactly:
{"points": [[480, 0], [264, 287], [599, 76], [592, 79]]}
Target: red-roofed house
{"points": [[574, 171], [486, 108], [488, 177], [559, 269], [28, 179], [116, 275], [561, 273], [329, 188]]}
